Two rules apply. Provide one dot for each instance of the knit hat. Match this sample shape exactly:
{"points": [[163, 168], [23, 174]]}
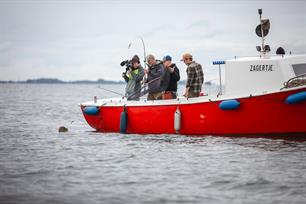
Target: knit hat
{"points": [[167, 58], [135, 59]]}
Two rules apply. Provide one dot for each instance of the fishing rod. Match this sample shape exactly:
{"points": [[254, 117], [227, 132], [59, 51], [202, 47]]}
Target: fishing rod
{"points": [[120, 94], [144, 50], [134, 93], [145, 85], [144, 56]]}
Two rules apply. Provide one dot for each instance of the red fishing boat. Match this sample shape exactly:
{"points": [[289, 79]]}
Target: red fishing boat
{"points": [[264, 94]]}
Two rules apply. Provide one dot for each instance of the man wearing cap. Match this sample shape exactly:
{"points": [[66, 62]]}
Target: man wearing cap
{"points": [[195, 77], [157, 78], [174, 72], [133, 77]]}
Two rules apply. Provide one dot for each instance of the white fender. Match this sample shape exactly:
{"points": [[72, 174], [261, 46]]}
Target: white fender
{"points": [[177, 120]]}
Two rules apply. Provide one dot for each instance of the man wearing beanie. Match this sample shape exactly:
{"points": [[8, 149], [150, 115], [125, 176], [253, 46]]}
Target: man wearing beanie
{"points": [[133, 77]]}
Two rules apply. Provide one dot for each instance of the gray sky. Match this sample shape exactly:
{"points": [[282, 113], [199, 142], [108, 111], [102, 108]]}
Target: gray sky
{"points": [[80, 39]]}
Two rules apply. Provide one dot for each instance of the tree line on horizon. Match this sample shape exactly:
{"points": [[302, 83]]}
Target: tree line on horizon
{"points": [[58, 81]]}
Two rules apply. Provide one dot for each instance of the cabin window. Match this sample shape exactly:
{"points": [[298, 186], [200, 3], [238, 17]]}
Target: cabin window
{"points": [[299, 69]]}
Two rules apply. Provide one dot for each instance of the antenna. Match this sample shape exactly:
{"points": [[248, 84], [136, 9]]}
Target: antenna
{"points": [[262, 30]]}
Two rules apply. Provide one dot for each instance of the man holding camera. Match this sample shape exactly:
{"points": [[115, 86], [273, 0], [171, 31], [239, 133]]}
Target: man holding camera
{"points": [[133, 76]]}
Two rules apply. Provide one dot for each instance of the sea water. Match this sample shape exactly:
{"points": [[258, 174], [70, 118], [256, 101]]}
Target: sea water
{"points": [[40, 165]]}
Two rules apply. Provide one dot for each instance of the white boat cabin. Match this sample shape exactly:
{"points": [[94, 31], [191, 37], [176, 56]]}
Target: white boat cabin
{"points": [[262, 74]]}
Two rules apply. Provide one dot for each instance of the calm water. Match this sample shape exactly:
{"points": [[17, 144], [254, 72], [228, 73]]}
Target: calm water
{"points": [[39, 165]]}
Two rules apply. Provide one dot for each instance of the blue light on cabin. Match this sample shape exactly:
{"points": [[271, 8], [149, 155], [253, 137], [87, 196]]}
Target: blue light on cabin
{"points": [[218, 62]]}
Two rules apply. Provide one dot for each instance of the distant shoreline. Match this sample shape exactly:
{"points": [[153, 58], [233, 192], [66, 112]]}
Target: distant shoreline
{"points": [[58, 81]]}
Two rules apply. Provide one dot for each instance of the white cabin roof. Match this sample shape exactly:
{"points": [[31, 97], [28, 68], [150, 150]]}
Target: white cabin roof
{"points": [[267, 57]]}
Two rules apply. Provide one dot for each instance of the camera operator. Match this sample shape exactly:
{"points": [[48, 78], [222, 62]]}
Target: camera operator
{"points": [[133, 76]]}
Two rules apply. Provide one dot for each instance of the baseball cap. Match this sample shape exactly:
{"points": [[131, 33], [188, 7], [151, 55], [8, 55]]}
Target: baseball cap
{"points": [[167, 58]]}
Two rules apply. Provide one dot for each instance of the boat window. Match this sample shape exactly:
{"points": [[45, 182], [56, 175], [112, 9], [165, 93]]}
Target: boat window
{"points": [[299, 69]]}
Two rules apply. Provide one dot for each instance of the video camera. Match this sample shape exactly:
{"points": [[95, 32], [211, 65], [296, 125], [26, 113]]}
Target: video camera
{"points": [[126, 63]]}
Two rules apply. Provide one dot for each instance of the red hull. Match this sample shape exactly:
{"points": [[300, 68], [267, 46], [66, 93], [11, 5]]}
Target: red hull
{"points": [[265, 114]]}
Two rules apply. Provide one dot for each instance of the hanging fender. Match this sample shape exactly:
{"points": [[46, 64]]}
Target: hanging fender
{"points": [[123, 121], [91, 110], [296, 98], [231, 104], [177, 120]]}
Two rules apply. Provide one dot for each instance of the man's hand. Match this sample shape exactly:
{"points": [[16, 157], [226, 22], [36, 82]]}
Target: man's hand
{"points": [[171, 70], [186, 92]]}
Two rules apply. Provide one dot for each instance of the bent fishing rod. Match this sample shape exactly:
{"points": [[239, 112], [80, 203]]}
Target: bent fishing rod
{"points": [[144, 50], [145, 64]]}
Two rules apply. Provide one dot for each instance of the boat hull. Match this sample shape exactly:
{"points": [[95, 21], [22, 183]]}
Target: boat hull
{"points": [[257, 115]]}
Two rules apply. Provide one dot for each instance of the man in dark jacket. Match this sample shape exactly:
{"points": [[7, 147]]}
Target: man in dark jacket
{"points": [[157, 78], [171, 90]]}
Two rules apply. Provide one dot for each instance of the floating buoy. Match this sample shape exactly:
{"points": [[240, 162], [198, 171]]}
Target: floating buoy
{"points": [[177, 120], [231, 104], [91, 110], [62, 129], [296, 98], [123, 121]]}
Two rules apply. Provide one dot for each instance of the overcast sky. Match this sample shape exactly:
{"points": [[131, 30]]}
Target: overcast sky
{"points": [[80, 39]]}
